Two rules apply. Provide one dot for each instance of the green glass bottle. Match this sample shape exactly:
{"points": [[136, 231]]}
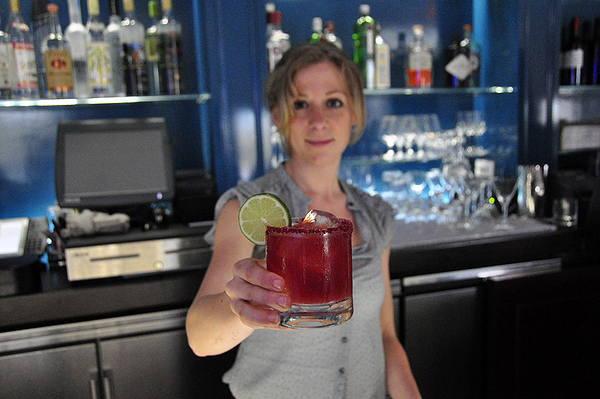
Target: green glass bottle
{"points": [[363, 38]]}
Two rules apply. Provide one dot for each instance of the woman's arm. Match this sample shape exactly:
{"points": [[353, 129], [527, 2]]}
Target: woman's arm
{"points": [[400, 381], [237, 294]]}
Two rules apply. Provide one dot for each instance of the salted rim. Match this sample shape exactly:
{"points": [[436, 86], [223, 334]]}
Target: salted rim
{"points": [[344, 226]]}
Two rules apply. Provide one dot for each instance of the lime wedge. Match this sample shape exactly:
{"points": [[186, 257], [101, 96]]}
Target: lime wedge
{"points": [[260, 211]]}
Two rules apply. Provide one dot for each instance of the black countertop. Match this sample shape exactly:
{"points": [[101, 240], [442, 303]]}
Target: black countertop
{"points": [[59, 301]]}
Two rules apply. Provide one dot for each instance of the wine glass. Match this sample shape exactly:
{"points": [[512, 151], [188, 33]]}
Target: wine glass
{"points": [[389, 136], [505, 189]]}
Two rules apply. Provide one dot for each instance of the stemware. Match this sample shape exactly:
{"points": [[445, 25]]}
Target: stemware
{"points": [[505, 189], [389, 135]]}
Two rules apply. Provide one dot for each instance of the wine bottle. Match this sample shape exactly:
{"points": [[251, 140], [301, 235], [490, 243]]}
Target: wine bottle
{"points": [[382, 60], [594, 64], [152, 49], [112, 35], [317, 31], [363, 38], [77, 37], [133, 38], [24, 53], [171, 65], [40, 24], [58, 66], [398, 62], [7, 66], [420, 61], [571, 72]]}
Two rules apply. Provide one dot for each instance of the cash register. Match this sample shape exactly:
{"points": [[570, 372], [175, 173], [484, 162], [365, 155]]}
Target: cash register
{"points": [[116, 176]]}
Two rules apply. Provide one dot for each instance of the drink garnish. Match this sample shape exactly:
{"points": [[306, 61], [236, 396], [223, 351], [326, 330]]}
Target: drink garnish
{"points": [[260, 211]]}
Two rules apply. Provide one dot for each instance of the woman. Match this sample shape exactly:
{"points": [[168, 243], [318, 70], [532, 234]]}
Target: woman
{"points": [[316, 101]]}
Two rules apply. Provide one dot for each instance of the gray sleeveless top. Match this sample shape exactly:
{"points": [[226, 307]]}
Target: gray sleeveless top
{"points": [[345, 361]]}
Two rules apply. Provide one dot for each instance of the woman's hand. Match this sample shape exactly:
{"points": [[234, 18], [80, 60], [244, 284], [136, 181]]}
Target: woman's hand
{"points": [[256, 294]]}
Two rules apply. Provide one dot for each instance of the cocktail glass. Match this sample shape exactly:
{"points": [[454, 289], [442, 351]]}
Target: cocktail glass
{"points": [[505, 191], [316, 263]]}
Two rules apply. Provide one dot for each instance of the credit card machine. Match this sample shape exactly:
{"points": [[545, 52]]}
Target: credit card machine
{"points": [[22, 241]]}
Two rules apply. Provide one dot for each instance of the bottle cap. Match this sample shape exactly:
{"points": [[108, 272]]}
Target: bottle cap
{"points": [[364, 9], [317, 24]]}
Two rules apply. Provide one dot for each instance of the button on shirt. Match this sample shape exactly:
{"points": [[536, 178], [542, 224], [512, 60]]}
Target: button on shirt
{"points": [[345, 361]]}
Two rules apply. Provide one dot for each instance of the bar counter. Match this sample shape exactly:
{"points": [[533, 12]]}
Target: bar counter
{"points": [[415, 251]]}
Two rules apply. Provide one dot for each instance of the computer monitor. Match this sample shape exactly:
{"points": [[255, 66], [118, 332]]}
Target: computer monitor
{"points": [[113, 163]]}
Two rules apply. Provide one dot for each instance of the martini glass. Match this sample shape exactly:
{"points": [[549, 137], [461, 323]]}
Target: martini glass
{"points": [[505, 192]]}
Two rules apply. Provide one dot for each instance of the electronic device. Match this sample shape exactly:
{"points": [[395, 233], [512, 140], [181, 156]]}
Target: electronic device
{"points": [[138, 252], [22, 241], [111, 163]]}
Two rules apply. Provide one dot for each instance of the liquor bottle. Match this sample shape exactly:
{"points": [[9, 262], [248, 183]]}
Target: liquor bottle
{"points": [[420, 61], [472, 48], [133, 40], [22, 44], [57, 59], [171, 67], [457, 64], [40, 24], [398, 62], [269, 10], [317, 31], [382, 60], [99, 60], [278, 42], [152, 51], [112, 35], [363, 38], [7, 66], [77, 37], [571, 70], [330, 35]]}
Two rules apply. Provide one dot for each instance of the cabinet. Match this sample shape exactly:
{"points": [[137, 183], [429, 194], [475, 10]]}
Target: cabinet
{"points": [[444, 325], [66, 372], [545, 102], [542, 335], [143, 356]]}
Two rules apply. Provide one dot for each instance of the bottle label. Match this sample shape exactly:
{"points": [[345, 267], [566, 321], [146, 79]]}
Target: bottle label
{"points": [[460, 66], [99, 66], [59, 70], [26, 68], [573, 59], [7, 66], [152, 52], [382, 66]]}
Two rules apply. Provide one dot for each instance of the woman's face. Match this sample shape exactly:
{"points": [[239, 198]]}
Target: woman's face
{"points": [[321, 128]]}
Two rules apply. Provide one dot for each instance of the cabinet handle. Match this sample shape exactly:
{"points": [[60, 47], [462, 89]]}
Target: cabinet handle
{"points": [[107, 391], [93, 388]]}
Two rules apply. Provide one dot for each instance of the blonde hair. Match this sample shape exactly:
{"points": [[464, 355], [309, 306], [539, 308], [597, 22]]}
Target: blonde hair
{"points": [[279, 87]]}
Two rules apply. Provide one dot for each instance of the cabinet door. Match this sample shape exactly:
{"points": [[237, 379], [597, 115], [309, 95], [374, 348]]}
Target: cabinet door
{"points": [[443, 340], [543, 335], [162, 366], [58, 373]]}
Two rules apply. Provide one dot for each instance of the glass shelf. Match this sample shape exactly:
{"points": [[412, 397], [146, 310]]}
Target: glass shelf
{"points": [[199, 98], [406, 91], [575, 90]]}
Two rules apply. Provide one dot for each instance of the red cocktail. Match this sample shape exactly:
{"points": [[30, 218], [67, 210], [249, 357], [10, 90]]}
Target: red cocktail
{"points": [[315, 261]]}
